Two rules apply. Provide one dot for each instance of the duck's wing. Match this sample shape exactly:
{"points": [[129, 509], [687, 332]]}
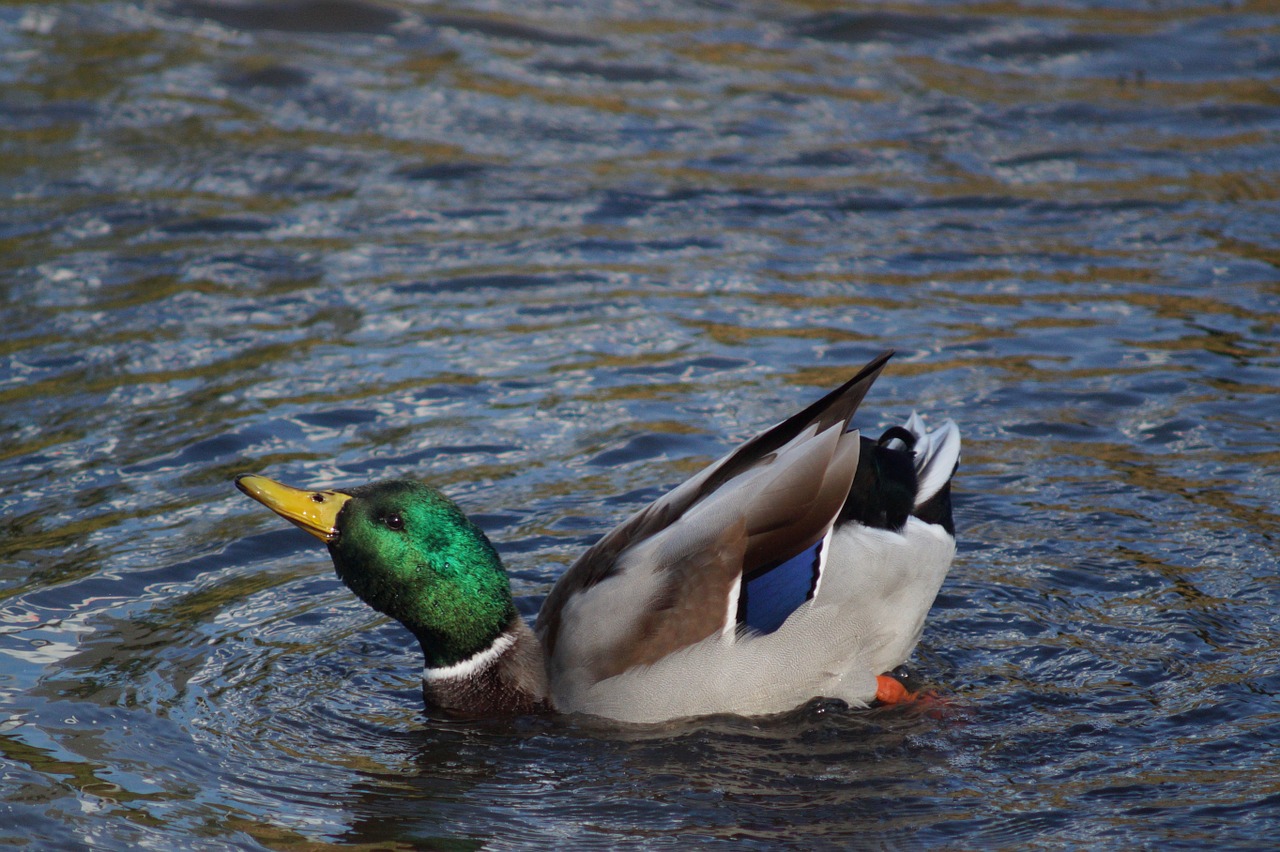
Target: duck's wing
{"points": [[671, 575]]}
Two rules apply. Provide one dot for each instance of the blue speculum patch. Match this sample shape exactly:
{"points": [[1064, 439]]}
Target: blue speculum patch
{"points": [[768, 597]]}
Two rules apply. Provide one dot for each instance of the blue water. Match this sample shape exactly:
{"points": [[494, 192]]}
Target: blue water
{"points": [[553, 260]]}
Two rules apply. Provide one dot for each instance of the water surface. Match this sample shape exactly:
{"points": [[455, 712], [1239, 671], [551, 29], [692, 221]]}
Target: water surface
{"points": [[555, 260]]}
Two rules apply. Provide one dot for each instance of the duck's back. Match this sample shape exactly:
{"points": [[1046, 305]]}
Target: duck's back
{"points": [[802, 564]]}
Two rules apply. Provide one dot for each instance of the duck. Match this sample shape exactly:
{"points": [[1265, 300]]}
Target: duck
{"points": [[800, 565]]}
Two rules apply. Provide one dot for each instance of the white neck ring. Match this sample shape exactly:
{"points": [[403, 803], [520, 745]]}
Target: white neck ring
{"points": [[475, 663]]}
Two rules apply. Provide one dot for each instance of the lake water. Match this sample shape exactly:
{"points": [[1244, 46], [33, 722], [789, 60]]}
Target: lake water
{"points": [[554, 260]]}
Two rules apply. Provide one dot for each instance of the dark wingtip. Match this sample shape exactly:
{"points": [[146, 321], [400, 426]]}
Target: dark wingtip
{"points": [[844, 400], [838, 406]]}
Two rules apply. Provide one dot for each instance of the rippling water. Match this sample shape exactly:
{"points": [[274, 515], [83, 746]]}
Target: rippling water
{"points": [[554, 260]]}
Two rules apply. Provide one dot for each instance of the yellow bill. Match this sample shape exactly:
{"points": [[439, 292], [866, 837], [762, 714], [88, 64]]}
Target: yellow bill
{"points": [[314, 511]]}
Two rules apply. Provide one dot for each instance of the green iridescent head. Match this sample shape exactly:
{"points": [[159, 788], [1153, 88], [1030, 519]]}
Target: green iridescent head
{"points": [[409, 552]]}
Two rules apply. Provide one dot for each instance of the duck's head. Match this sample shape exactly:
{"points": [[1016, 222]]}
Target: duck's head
{"points": [[409, 552]]}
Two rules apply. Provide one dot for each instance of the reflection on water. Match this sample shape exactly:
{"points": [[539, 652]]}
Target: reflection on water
{"points": [[554, 261]]}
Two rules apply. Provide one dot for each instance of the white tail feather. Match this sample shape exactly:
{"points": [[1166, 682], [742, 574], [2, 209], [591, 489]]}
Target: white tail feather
{"points": [[937, 454]]}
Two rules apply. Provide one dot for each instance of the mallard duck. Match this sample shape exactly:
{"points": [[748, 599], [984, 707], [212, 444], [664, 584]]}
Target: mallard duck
{"points": [[800, 565]]}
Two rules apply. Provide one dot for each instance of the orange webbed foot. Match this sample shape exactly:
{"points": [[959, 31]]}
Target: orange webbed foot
{"points": [[890, 690]]}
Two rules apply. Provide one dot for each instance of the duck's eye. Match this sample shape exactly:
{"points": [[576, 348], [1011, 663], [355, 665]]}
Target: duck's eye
{"points": [[394, 522]]}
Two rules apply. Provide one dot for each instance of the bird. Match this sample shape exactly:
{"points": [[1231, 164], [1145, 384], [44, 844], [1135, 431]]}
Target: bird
{"points": [[800, 565]]}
